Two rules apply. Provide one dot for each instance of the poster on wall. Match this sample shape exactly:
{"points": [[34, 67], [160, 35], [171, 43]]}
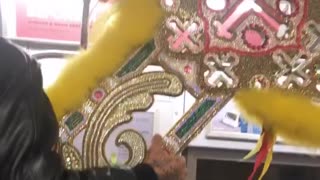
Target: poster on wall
{"points": [[230, 124], [58, 20]]}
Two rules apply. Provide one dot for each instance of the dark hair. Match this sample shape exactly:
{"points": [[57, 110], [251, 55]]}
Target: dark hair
{"points": [[28, 127], [29, 130]]}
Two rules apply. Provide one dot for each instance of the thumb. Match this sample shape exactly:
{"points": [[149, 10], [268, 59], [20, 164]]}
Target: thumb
{"points": [[157, 141]]}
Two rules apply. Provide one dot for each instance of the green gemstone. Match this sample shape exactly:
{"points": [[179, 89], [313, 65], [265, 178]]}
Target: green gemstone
{"points": [[138, 59], [195, 117], [74, 120]]}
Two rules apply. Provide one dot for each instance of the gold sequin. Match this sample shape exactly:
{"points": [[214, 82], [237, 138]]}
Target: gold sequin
{"points": [[71, 156]]}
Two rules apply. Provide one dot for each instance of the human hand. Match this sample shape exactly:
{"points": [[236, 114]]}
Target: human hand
{"points": [[166, 164]]}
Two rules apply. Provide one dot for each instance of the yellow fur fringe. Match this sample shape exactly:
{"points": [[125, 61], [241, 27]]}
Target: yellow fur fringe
{"points": [[291, 116], [129, 24]]}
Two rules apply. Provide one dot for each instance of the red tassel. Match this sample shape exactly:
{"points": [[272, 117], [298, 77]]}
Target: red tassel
{"points": [[261, 156]]}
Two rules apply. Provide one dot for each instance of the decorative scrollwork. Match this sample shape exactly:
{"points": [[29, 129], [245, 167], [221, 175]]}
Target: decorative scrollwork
{"points": [[132, 95], [136, 145]]}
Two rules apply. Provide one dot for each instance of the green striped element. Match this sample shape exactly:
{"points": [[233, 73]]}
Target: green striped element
{"points": [[317, 71], [138, 59], [195, 117], [74, 120]]}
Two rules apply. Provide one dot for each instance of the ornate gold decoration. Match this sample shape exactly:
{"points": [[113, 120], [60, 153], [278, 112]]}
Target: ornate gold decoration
{"points": [[114, 110], [71, 156], [293, 70], [136, 145], [170, 5], [221, 70], [259, 81], [312, 34], [203, 110], [275, 57], [132, 94], [185, 35], [215, 49], [187, 69]]}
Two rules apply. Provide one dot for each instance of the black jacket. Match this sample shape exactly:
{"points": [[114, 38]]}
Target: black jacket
{"points": [[29, 130]]}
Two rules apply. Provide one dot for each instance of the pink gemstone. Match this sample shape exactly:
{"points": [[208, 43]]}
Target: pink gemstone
{"points": [[98, 94], [187, 69], [254, 38]]}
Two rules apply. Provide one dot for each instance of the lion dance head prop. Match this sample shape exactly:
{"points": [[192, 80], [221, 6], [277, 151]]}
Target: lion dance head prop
{"points": [[265, 53]]}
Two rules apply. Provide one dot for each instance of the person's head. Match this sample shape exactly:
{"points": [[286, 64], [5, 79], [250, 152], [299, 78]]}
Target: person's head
{"points": [[28, 126]]}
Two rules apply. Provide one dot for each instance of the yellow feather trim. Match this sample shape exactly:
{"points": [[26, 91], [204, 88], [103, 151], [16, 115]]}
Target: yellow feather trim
{"points": [[292, 116], [256, 149], [130, 24]]}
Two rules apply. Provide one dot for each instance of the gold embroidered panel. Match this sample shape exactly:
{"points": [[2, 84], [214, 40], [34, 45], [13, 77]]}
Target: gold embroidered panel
{"points": [[210, 48]]}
